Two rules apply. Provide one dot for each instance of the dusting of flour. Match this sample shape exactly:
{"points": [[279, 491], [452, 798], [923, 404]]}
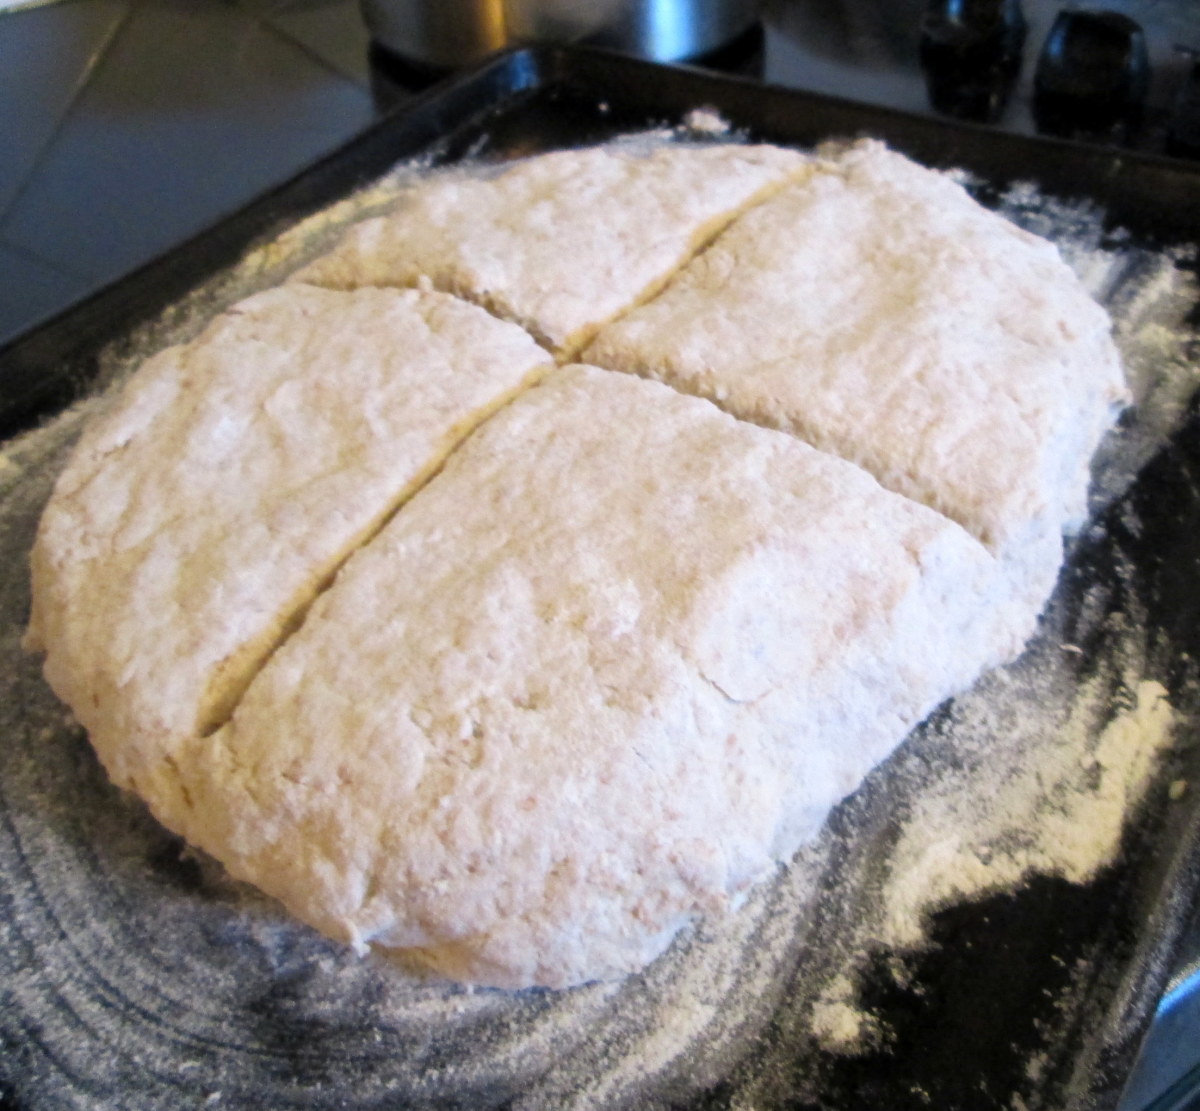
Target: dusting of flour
{"points": [[1059, 810]]}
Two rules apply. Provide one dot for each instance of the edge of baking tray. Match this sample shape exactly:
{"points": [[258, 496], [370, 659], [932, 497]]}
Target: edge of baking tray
{"points": [[1167, 497], [1118, 180], [55, 362]]}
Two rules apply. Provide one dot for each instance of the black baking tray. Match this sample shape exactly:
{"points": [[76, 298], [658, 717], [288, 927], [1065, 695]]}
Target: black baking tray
{"points": [[974, 1006]]}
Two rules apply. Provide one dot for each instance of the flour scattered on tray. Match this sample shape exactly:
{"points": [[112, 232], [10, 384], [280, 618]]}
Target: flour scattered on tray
{"points": [[706, 121], [836, 1022], [1059, 812]]}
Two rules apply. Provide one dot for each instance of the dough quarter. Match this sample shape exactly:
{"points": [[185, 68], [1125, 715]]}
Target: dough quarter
{"points": [[200, 515], [561, 243], [878, 312]]}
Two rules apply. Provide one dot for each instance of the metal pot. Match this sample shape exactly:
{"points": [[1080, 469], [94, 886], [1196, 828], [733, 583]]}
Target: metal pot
{"points": [[455, 32]]}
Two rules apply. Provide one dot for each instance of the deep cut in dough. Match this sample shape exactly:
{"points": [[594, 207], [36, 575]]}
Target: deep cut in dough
{"points": [[561, 243], [202, 513], [879, 313], [620, 657]]}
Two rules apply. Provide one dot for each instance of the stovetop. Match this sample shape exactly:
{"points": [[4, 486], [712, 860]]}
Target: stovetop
{"points": [[129, 125], [872, 52]]}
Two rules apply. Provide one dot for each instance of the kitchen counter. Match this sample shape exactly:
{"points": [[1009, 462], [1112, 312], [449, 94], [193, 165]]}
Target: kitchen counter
{"points": [[130, 125]]}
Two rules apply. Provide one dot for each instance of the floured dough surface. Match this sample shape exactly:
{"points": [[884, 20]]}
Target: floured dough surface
{"points": [[561, 243], [199, 516], [522, 677], [616, 660], [878, 312]]}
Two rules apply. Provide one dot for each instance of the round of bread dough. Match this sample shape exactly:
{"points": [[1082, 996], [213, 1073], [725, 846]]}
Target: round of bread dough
{"points": [[520, 670]]}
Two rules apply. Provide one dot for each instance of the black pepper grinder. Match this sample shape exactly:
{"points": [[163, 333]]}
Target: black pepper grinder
{"points": [[971, 55]]}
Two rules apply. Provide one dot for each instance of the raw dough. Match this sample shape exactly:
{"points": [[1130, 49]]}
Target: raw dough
{"points": [[562, 243], [615, 661], [198, 518], [880, 313], [625, 651]]}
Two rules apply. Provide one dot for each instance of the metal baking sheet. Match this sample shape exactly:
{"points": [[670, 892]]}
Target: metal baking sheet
{"points": [[134, 974]]}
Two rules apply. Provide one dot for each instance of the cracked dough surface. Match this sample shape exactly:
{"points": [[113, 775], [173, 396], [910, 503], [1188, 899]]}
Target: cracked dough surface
{"points": [[582, 688], [202, 513], [561, 243], [878, 312]]}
